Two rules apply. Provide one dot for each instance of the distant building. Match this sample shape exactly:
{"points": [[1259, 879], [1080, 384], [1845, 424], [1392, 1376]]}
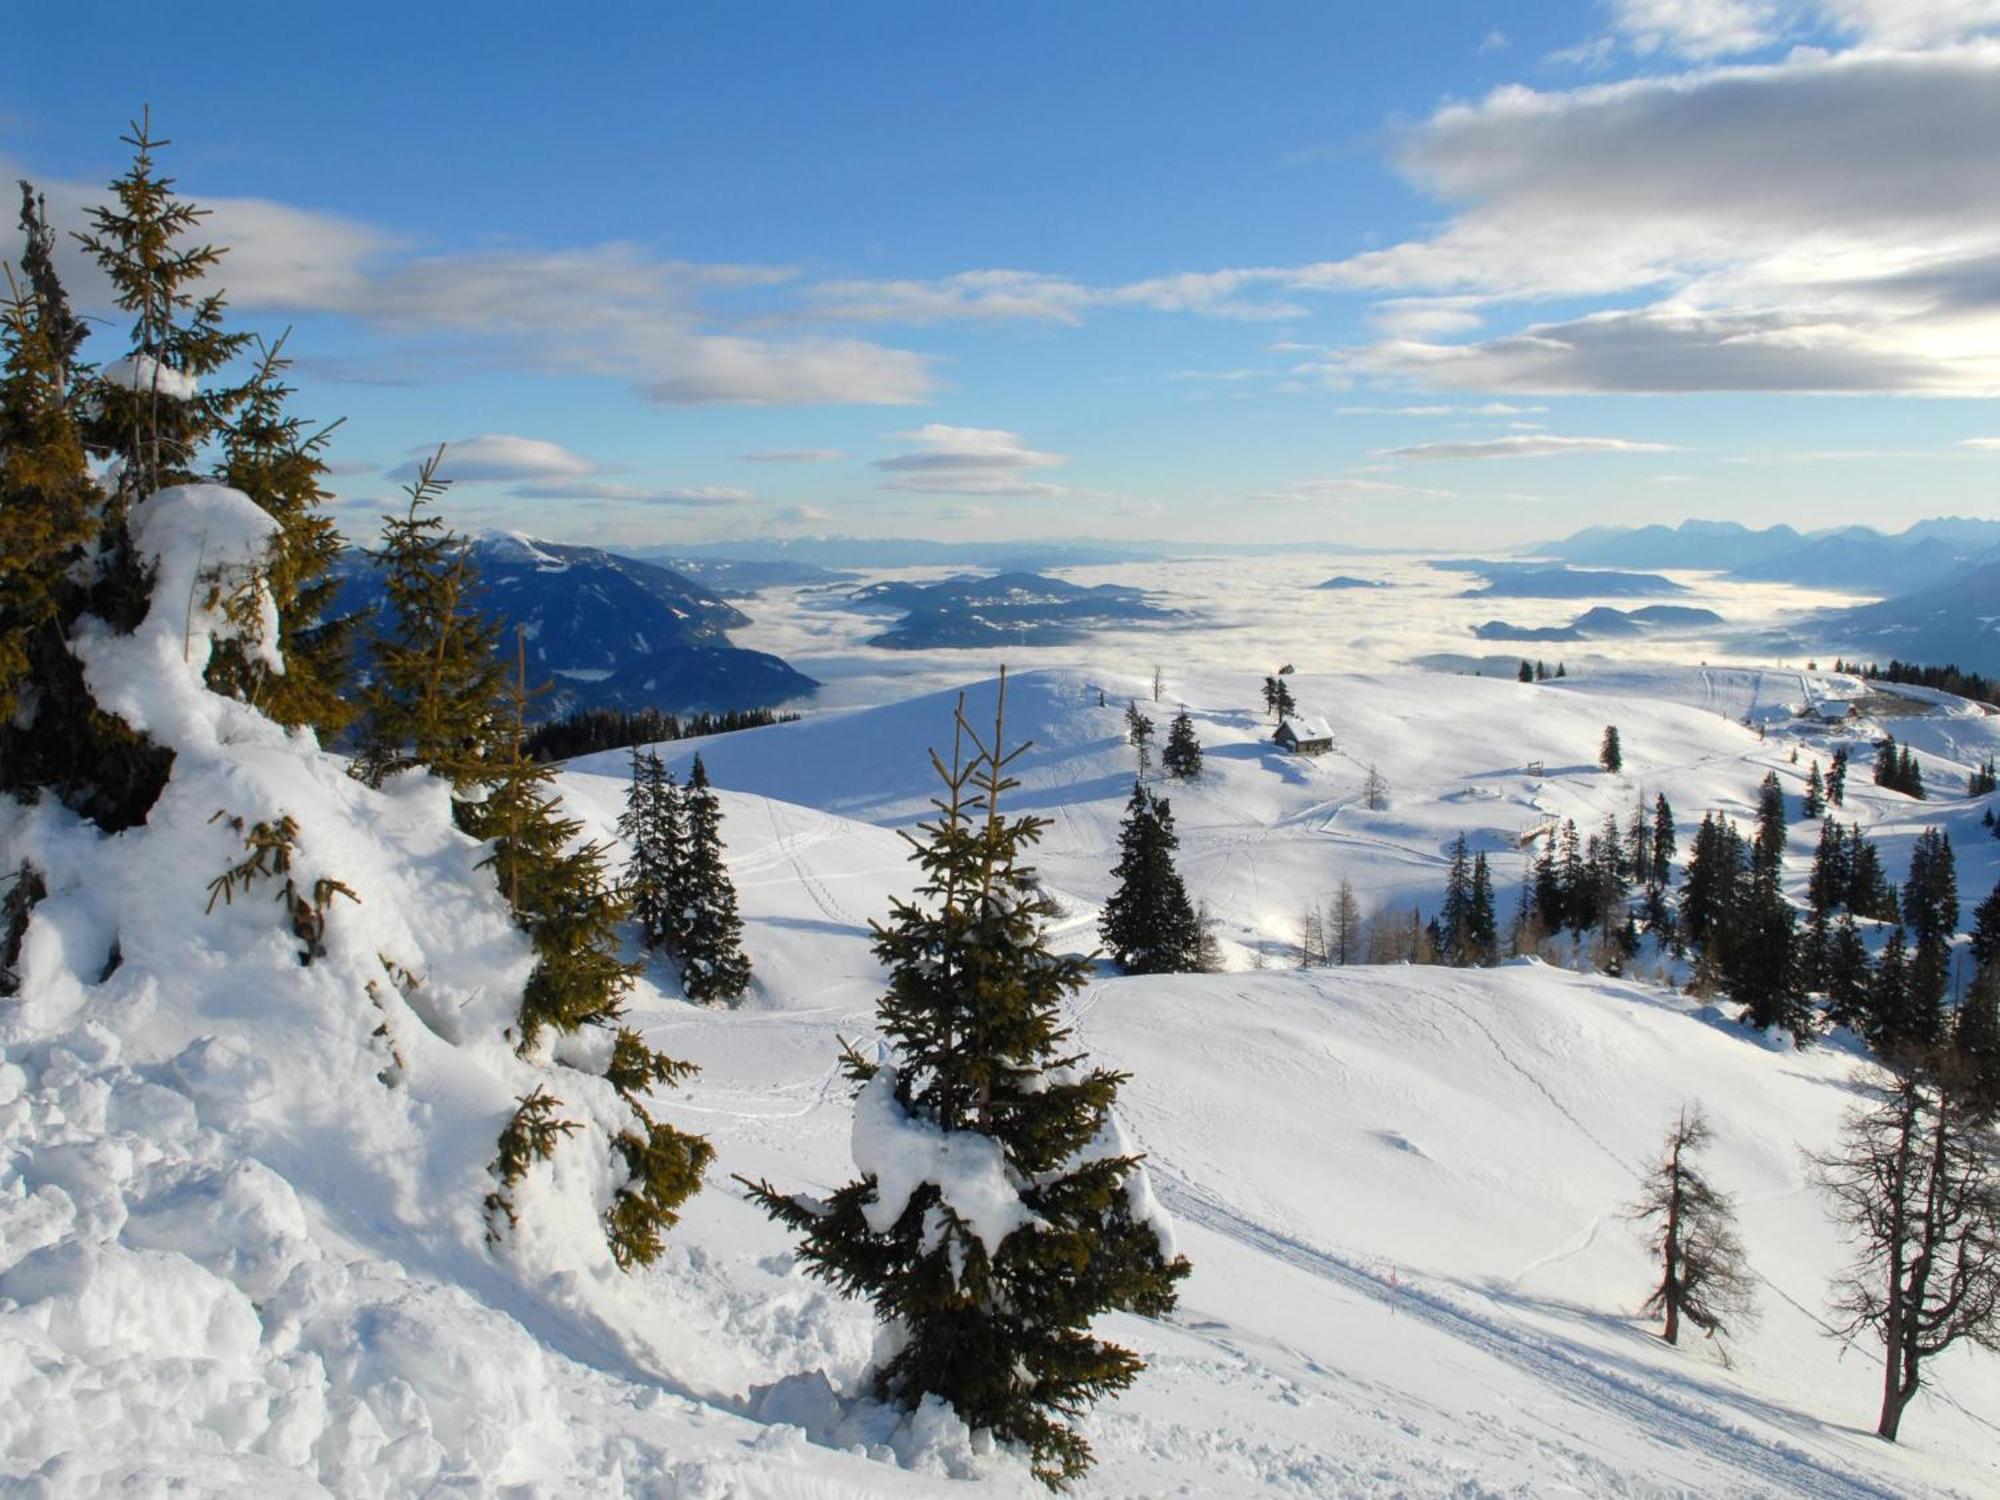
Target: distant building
{"points": [[1833, 710], [1304, 736]]}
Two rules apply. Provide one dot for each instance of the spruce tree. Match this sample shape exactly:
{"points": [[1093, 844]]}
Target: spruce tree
{"points": [[1930, 907], [1768, 848], [651, 828], [1815, 799], [710, 939], [1610, 754], [1482, 922], [1665, 842], [1703, 1278], [1452, 928], [1847, 977], [47, 503], [142, 412], [1526, 673], [989, 1309], [564, 899], [272, 457], [1182, 756], [1149, 924], [1891, 1026], [1976, 1041], [1836, 779], [436, 691], [1985, 946]]}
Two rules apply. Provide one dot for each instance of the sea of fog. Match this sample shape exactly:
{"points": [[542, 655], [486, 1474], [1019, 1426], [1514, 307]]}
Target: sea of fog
{"points": [[1256, 614]]}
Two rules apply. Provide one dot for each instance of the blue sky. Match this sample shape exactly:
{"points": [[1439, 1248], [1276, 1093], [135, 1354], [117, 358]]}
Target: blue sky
{"points": [[1441, 273]]}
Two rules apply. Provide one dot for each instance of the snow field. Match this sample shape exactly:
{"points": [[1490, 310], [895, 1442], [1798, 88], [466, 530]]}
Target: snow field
{"points": [[234, 1257]]}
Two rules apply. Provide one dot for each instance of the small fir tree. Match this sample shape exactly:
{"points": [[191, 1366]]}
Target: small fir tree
{"points": [[1610, 754], [1767, 849], [436, 693], [1815, 798], [1836, 779], [1182, 756], [1149, 924], [651, 828], [713, 964], [272, 457], [996, 1320]]}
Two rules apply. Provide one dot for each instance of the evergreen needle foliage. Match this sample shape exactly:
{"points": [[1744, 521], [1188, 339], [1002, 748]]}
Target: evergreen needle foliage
{"points": [[972, 1024], [1149, 924]]}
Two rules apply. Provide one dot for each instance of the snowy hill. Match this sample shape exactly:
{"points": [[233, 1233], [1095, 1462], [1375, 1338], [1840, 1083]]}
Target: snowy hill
{"points": [[241, 1247]]}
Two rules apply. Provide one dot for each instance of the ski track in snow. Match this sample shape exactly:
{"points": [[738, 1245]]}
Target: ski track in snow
{"points": [[1668, 1421]]}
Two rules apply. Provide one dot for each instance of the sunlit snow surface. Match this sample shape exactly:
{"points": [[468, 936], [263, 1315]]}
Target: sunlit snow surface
{"points": [[234, 1260]]}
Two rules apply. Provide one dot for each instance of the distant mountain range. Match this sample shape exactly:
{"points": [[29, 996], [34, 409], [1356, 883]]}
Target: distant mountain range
{"points": [[1345, 581], [1516, 580], [1857, 558], [1605, 623], [1007, 609], [740, 577], [1954, 622], [607, 631]]}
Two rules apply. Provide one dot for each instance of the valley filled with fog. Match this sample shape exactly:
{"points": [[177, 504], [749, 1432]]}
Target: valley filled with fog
{"points": [[1256, 613]]}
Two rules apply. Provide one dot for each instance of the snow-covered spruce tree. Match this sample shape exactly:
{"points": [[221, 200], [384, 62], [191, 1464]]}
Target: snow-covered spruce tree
{"points": [[1692, 1229], [1149, 924], [1182, 756], [47, 505], [710, 933], [651, 828], [272, 457], [436, 690], [1610, 754], [563, 897], [997, 1213], [146, 416]]}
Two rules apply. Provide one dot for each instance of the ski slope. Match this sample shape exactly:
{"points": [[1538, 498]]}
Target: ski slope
{"points": [[232, 1258]]}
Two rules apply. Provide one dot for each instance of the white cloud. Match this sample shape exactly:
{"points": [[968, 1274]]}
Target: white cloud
{"points": [[986, 461], [1912, 23], [975, 295], [943, 447], [501, 455], [801, 515], [1494, 41], [695, 497], [1543, 445], [1825, 223], [618, 310], [1697, 28], [792, 456], [1982, 445]]}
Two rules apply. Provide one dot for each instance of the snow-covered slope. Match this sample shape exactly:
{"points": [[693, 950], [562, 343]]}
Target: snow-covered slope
{"points": [[234, 1256]]}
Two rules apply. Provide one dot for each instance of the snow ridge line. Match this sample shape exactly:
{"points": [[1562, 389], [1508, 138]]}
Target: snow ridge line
{"points": [[1652, 1413]]}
